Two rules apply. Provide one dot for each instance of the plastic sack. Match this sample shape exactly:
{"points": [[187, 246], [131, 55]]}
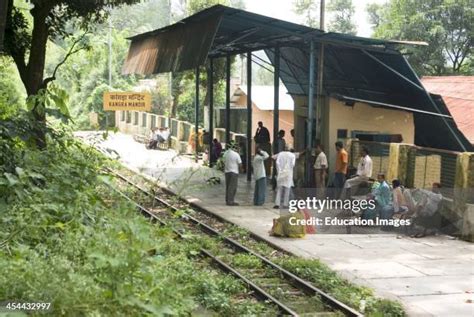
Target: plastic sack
{"points": [[283, 228]]}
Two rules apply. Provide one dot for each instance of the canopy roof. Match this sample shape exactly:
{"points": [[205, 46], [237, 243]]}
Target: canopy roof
{"points": [[219, 31], [355, 68]]}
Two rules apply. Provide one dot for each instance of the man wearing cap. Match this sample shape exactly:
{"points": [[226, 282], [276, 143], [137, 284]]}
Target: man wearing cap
{"points": [[232, 163]]}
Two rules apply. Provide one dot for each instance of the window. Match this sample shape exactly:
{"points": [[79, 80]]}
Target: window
{"points": [[135, 121], [342, 133]]}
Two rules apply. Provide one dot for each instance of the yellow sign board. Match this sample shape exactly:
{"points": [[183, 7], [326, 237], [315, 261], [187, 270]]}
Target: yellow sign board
{"points": [[137, 101]]}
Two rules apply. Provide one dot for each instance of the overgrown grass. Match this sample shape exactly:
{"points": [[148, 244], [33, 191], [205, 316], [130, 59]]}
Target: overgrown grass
{"points": [[68, 239], [358, 297]]}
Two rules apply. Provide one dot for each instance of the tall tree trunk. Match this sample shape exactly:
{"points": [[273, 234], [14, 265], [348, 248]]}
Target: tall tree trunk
{"points": [[32, 73], [3, 20]]}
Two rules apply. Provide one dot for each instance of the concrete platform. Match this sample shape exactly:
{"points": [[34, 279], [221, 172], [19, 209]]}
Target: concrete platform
{"points": [[431, 276]]}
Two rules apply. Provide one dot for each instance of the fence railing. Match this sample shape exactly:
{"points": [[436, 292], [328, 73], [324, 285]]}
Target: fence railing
{"points": [[424, 166], [427, 166]]}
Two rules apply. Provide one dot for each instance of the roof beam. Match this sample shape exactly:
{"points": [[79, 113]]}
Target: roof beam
{"points": [[240, 36], [268, 26], [383, 104], [393, 70]]}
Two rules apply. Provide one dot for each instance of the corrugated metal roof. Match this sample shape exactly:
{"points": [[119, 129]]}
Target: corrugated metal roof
{"points": [[350, 72], [262, 97], [185, 46], [369, 69], [458, 95], [220, 30]]}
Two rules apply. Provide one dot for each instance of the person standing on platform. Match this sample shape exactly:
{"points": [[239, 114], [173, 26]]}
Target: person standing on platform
{"points": [[320, 168], [215, 152], [285, 163], [292, 141], [260, 176], [232, 163], [278, 146], [280, 143], [341, 169], [262, 141]]}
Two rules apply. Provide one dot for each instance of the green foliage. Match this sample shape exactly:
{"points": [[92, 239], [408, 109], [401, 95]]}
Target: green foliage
{"points": [[68, 239], [85, 74], [246, 261], [310, 10], [195, 6], [52, 100], [349, 293], [11, 94], [342, 14], [446, 25]]}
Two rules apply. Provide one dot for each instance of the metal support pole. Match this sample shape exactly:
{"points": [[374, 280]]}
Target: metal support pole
{"points": [[309, 125], [110, 69], [196, 137], [322, 11], [249, 116], [227, 99], [276, 97], [319, 85], [210, 83], [319, 97]]}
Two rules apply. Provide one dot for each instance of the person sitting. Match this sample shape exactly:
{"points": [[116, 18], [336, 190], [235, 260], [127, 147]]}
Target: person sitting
{"points": [[163, 135], [425, 210], [398, 204], [380, 194], [153, 139], [364, 172]]}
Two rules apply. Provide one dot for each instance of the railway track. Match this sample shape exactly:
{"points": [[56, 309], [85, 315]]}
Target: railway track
{"points": [[270, 282]]}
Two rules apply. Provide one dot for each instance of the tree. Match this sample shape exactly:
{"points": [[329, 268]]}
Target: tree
{"points": [[342, 13], [446, 25], [182, 82], [374, 11], [310, 10], [50, 21], [11, 93], [3, 21]]}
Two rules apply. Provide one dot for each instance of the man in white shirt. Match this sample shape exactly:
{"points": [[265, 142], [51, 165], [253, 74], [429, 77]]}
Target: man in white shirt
{"points": [[163, 135], [364, 172], [320, 168], [260, 176], [232, 163], [285, 162]]}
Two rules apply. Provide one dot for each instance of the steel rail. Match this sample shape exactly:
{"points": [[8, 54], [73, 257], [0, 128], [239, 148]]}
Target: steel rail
{"points": [[259, 292], [305, 286]]}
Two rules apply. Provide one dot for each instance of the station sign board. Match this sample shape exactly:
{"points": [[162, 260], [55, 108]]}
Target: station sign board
{"points": [[130, 101]]}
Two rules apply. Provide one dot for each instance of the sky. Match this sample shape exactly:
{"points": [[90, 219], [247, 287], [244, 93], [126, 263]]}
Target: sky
{"points": [[283, 9]]}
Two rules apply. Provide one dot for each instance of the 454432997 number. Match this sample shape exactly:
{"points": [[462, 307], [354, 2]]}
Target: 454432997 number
{"points": [[26, 306]]}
